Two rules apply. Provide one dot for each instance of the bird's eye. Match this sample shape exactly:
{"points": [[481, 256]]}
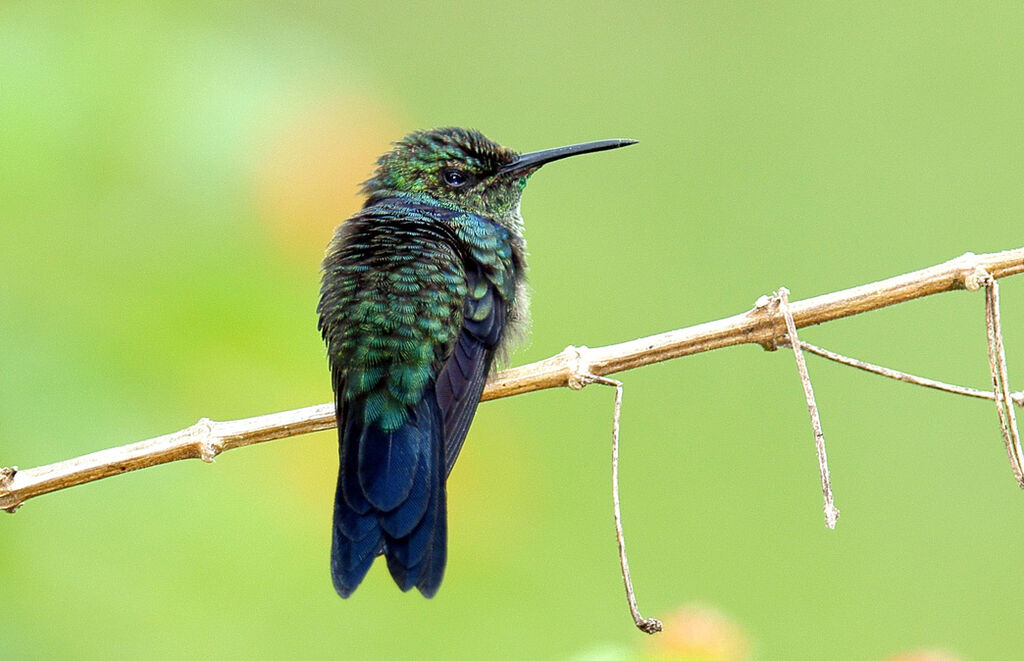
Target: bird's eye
{"points": [[454, 178]]}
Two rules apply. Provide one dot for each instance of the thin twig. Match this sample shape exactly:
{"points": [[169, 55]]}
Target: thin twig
{"points": [[582, 377], [831, 513], [1000, 380], [1017, 397], [647, 625], [207, 438]]}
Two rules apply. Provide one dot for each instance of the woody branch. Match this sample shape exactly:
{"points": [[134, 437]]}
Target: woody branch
{"points": [[574, 367]]}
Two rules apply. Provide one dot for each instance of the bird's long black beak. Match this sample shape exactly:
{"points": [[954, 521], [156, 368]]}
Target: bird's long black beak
{"points": [[535, 159]]}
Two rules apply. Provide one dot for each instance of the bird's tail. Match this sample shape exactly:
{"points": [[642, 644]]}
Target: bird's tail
{"points": [[390, 500]]}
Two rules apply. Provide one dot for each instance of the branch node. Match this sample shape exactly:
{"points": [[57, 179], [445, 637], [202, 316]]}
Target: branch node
{"points": [[976, 278], [207, 444], [6, 483], [765, 307], [7, 476], [579, 375]]}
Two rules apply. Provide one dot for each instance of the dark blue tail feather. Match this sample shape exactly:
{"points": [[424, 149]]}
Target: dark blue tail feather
{"points": [[418, 559], [387, 463], [355, 542], [390, 499], [400, 521]]}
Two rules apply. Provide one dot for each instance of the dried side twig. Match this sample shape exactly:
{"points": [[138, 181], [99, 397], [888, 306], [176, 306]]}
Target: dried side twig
{"points": [[1000, 380], [831, 513], [205, 439], [645, 624], [1016, 397], [1001, 394], [582, 376]]}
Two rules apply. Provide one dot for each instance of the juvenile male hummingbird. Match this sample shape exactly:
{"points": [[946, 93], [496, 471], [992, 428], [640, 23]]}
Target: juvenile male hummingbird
{"points": [[421, 289]]}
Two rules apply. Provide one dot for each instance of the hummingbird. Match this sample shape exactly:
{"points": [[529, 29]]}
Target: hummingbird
{"points": [[422, 289]]}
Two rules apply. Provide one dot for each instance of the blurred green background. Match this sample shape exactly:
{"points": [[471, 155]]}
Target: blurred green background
{"points": [[170, 173]]}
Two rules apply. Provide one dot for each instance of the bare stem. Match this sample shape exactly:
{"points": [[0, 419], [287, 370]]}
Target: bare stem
{"points": [[1017, 397], [831, 513], [207, 438], [1000, 380], [647, 625]]}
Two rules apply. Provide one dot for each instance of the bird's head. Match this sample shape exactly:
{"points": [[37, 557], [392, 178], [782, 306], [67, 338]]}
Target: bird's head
{"points": [[462, 169]]}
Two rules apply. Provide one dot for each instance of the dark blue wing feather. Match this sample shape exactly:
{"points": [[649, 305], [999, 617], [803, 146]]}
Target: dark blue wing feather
{"points": [[461, 381]]}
